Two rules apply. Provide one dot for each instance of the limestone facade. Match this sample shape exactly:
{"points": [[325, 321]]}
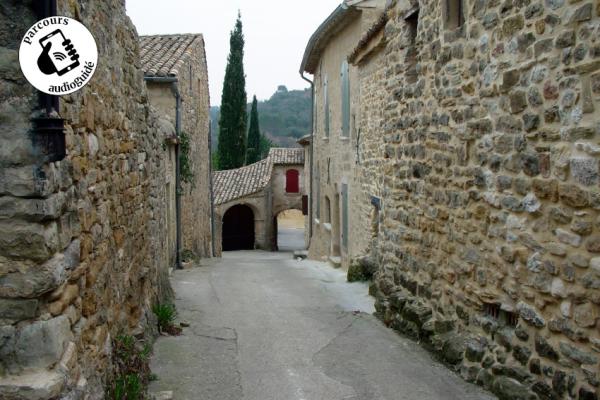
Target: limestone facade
{"points": [[338, 234], [83, 237], [480, 140]]}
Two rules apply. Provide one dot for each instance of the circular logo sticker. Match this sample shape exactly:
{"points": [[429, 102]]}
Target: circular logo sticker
{"points": [[58, 55]]}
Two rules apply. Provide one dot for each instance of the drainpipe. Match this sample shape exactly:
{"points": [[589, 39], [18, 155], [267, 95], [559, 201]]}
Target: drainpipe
{"points": [[312, 137], [178, 192], [212, 193]]}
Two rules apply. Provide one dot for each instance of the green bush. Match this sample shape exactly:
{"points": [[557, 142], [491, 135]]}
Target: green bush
{"points": [[166, 314], [131, 359]]}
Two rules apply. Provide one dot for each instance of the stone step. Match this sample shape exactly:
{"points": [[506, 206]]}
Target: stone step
{"points": [[32, 385], [335, 261], [302, 254]]}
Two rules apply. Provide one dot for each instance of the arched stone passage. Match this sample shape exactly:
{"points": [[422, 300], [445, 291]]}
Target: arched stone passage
{"points": [[288, 230], [238, 228]]}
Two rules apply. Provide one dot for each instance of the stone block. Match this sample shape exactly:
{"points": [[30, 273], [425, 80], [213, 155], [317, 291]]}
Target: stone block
{"points": [[530, 315], [22, 240], [593, 244], [582, 13], [33, 385], [36, 280], [585, 315], [510, 389], [545, 349], [18, 309], [576, 354], [585, 170], [18, 181], [43, 343]]}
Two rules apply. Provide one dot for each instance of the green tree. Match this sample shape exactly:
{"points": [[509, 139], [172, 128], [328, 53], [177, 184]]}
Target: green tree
{"points": [[254, 153], [233, 121], [265, 146]]}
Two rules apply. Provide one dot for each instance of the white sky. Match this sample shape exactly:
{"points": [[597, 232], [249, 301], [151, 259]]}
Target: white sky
{"points": [[276, 34]]}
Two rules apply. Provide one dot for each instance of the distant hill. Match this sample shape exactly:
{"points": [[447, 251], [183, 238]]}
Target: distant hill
{"points": [[284, 118]]}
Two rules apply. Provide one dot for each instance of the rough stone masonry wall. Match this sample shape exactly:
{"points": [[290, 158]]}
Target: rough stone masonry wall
{"points": [[195, 120], [492, 201], [81, 240]]}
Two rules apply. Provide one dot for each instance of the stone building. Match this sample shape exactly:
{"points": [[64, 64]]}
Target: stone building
{"points": [[337, 235], [83, 217], [479, 170], [176, 77], [249, 199]]}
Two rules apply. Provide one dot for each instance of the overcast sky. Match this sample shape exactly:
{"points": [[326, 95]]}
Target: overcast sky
{"points": [[276, 33]]}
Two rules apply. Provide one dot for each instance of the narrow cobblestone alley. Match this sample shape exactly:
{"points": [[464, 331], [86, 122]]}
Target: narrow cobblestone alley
{"points": [[264, 326]]}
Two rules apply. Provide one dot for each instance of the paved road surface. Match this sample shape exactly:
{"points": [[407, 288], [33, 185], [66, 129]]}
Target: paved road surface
{"points": [[266, 327]]}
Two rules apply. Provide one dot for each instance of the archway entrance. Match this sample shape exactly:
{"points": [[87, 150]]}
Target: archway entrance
{"points": [[238, 228], [289, 231]]}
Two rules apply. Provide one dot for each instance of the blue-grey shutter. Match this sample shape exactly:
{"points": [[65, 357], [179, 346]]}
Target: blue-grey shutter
{"points": [[345, 215], [345, 79], [326, 106], [318, 199]]}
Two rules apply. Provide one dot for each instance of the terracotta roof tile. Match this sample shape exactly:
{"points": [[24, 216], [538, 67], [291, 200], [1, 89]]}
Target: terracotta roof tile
{"points": [[235, 183], [287, 156], [164, 55]]}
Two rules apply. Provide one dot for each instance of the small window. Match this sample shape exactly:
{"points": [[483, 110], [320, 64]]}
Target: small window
{"points": [[318, 198], [291, 181], [345, 79], [326, 107], [327, 210], [412, 26], [492, 310], [454, 14]]}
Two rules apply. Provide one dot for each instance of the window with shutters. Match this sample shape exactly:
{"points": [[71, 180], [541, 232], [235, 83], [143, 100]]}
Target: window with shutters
{"points": [[344, 215], [326, 107], [345, 80], [291, 181], [318, 198]]}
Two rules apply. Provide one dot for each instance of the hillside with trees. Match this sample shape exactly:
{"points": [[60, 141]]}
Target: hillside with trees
{"points": [[283, 119]]}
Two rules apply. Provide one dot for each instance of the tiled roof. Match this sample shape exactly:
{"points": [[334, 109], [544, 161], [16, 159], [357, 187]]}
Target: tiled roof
{"points": [[164, 55], [287, 156], [234, 183]]}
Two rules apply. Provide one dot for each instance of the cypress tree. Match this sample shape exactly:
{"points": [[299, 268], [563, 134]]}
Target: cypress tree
{"points": [[233, 121], [254, 153]]}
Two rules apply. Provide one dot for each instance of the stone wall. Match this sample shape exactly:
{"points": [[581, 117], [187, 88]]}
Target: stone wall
{"points": [[487, 151], [82, 254], [192, 84], [195, 121]]}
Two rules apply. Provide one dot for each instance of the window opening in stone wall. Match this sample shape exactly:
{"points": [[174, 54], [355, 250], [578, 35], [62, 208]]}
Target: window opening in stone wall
{"points": [[412, 27], [291, 181], [510, 318], [327, 210], [326, 106], [318, 199], [454, 14], [375, 215], [492, 310], [506, 318], [345, 79]]}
